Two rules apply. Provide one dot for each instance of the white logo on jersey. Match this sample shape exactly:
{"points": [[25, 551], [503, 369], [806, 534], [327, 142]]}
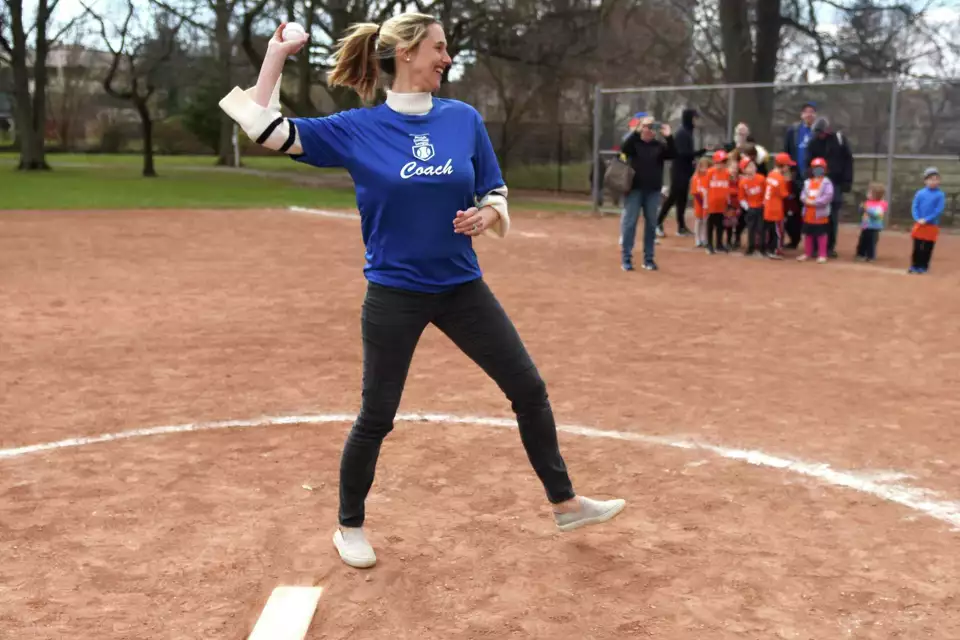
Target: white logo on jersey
{"points": [[422, 149], [412, 169]]}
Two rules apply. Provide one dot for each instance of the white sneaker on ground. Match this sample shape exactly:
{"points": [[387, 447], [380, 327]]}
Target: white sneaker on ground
{"points": [[590, 512], [353, 547]]}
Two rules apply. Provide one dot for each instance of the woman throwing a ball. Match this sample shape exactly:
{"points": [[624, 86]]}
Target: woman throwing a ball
{"points": [[427, 183]]}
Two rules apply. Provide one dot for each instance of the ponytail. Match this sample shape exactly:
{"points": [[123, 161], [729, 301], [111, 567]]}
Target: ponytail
{"points": [[367, 50], [355, 61]]}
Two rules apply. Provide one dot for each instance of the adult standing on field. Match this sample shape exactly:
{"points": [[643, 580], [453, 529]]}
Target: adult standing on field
{"points": [[681, 172], [427, 183], [646, 155], [795, 145], [832, 147]]}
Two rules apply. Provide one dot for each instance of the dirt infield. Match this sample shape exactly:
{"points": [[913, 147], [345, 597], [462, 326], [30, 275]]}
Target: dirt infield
{"points": [[116, 321]]}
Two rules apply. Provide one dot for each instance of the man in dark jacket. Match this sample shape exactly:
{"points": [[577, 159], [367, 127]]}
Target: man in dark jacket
{"points": [[795, 143], [646, 155], [681, 172], [833, 148]]}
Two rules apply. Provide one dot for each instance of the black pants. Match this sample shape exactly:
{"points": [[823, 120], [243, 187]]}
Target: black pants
{"points": [[867, 245], [922, 252], [715, 225], [392, 322], [754, 226], [793, 224], [834, 227], [772, 236], [679, 190]]}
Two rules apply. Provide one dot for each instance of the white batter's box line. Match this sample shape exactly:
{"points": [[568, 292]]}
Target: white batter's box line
{"points": [[885, 486], [325, 213]]}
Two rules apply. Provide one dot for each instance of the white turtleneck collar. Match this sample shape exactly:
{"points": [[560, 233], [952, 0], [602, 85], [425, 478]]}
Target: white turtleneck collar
{"points": [[414, 104]]}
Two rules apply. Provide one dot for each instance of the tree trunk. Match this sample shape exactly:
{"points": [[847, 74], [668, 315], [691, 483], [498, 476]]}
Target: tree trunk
{"points": [[146, 128], [39, 115], [769, 26], [749, 62], [31, 148], [224, 62]]}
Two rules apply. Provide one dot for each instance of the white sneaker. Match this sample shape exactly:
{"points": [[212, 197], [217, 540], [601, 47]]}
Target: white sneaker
{"points": [[353, 548], [590, 512]]}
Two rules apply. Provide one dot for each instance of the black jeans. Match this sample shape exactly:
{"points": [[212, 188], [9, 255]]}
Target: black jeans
{"points": [[392, 322], [772, 236], [793, 224], [867, 245], [922, 252], [715, 225], [754, 223], [679, 190]]}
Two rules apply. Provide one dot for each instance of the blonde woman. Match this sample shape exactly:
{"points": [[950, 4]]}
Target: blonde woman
{"points": [[427, 183]]}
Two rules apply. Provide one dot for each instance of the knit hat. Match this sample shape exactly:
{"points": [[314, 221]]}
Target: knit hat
{"points": [[820, 124], [930, 171]]}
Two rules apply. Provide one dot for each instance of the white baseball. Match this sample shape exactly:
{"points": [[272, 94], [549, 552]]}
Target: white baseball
{"points": [[292, 31]]}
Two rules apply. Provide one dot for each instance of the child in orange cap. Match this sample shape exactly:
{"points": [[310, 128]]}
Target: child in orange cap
{"points": [[717, 200], [751, 193], [774, 209], [698, 189]]}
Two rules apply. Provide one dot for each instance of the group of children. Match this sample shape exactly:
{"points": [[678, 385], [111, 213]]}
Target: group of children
{"points": [[731, 196]]}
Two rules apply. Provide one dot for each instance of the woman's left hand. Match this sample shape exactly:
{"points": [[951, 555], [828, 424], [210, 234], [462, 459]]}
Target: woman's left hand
{"points": [[473, 221]]}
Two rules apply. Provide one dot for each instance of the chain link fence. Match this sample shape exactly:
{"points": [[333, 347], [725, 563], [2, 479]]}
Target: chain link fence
{"points": [[895, 128]]}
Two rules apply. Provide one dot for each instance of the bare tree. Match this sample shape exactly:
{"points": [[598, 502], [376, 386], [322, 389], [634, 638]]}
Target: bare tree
{"points": [[31, 107], [138, 60]]}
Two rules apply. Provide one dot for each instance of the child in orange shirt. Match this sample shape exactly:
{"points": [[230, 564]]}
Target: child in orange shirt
{"points": [[816, 198], [774, 208], [698, 189], [751, 192], [717, 200], [732, 219]]}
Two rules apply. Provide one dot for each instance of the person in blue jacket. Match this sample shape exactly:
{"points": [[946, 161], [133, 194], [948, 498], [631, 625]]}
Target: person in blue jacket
{"points": [[928, 205], [427, 183]]}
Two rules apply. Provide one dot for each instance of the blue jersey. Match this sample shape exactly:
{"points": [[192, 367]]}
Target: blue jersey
{"points": [[412, 174]]}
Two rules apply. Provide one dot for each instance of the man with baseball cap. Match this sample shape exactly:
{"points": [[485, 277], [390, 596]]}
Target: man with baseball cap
{"points": [[795, 145]]}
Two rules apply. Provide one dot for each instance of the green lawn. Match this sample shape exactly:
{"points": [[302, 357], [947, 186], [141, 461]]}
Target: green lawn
{"points": [[122, 187], [97, 181], [265, 163]]}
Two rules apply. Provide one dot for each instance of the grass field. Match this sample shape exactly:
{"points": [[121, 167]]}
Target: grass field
{"points": [[80, 181]]}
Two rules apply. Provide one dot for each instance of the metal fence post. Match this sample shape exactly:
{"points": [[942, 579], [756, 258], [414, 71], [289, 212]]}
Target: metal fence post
{"points": [[597, 123], [731, 103], [891, 149]]}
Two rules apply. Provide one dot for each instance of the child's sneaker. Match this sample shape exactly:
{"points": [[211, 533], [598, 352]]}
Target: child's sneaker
{"points": [[589, 512], [802, 257], [821, 260], [775, 256]]}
